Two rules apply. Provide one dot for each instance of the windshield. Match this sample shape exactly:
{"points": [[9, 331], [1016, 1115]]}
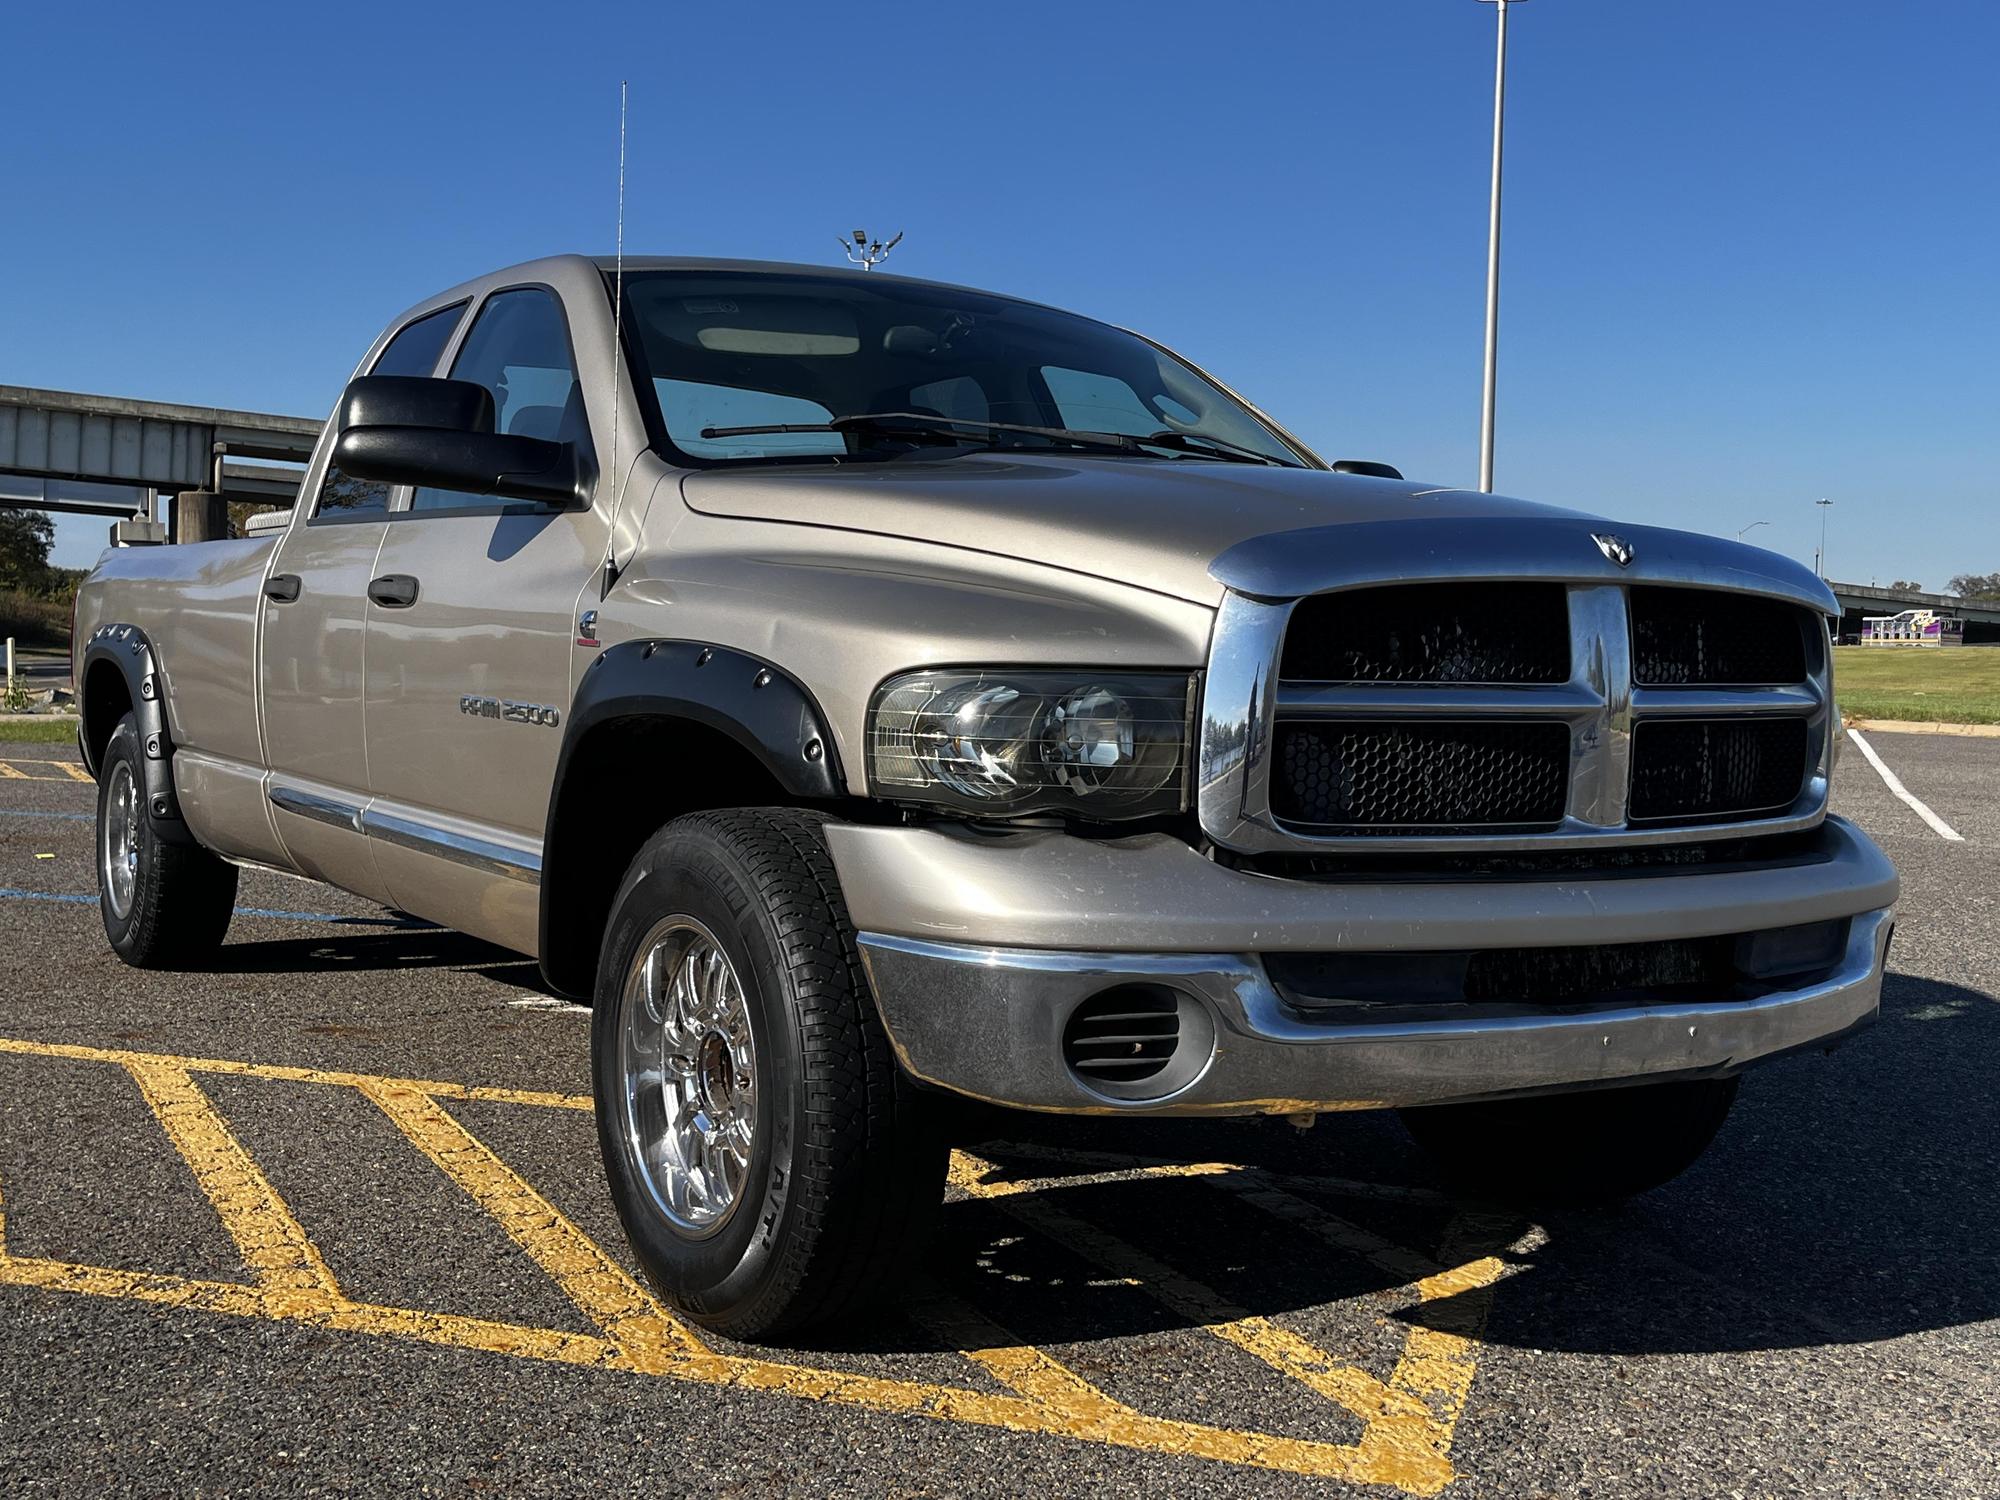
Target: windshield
{"points": [[734, 350]]}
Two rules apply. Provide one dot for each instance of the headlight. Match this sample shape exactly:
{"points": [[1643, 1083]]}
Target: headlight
{"points": [[1100, 744]]}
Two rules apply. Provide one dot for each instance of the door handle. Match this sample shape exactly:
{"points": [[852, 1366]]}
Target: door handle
{"points": [[282, 588], [394, 591]]}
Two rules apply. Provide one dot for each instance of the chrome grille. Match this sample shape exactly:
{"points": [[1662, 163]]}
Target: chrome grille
{"points": [[1407, 733]]}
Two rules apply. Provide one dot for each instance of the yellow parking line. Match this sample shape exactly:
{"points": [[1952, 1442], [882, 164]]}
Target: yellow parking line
{"points": [[1109, 1162], [68, 770], [1407, 1423], [274, 1245], [641, 1329], [1399, 1424], [1438, 1359], [297, 1075]]}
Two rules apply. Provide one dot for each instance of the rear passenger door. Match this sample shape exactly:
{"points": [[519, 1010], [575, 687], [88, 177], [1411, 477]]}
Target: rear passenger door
{"points": [[312, 661], [467, 685]]}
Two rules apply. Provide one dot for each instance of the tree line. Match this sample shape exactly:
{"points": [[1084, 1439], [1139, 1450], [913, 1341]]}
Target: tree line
{"points": [[1976, 585], [26, 536]]}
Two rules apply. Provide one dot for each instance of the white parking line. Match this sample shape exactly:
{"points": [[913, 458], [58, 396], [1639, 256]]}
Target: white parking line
{"points": [[549, 1002], [1941, 828]]}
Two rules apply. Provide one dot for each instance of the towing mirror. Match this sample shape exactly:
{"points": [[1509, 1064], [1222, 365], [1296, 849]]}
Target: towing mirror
{"points": [[410, 429]]}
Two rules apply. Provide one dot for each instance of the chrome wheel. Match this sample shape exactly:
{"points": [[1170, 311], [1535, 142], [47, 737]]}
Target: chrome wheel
{"points": [[690, 1069], [118, 839]]}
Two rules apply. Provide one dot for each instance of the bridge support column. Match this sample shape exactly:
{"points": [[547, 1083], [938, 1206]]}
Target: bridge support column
{"points": [[200, 516]]}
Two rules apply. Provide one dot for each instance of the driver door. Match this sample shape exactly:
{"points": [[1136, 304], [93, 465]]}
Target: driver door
{"points": [[470, 679]]}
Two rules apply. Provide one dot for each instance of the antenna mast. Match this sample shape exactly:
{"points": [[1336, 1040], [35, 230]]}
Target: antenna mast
{"points": [[867, 253], [618, 309]]}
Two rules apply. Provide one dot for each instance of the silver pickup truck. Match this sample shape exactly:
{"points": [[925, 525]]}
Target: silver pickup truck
{"points": [[865, 690]]}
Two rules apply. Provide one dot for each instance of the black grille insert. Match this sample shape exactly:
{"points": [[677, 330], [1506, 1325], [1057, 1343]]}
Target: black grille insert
{"points": [[1712, 768], [1381, 777], [1697, 637], [1431, 632], [1674, 970]]}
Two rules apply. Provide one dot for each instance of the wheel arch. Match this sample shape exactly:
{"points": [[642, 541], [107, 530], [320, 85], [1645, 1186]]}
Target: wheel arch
{"points": [[660, 728], [121, 675]]}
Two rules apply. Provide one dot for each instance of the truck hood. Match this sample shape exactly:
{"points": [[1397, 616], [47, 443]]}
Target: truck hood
{"points": [[1192, 529], [1158, 524]]}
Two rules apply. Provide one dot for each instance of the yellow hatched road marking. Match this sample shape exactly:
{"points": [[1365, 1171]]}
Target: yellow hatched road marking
{"points": [[273, 1244], [1112, 1162], [1439, 1355], [1407, 1422], [297, 1075], [68, 770], [598, 1285], [1396, 1418]]}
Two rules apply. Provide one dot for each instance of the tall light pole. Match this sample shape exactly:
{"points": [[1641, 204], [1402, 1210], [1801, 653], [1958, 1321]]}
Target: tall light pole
{"points": [[1819, 561], [1493, 250], [1750, 528]]}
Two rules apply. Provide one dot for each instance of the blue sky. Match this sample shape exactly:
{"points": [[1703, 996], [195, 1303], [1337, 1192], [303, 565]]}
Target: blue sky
{"points": [[1751, 248]]}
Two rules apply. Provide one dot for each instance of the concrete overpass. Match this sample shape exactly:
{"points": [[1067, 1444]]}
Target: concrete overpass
{"points": [[1981, 616], [113, 455]]}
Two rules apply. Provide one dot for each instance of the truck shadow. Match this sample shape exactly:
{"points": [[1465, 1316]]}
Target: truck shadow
{"points": [[1849, 1199], [361, 949]]}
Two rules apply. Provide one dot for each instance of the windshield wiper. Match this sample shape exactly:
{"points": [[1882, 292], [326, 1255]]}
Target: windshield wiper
{"points": [[1212, 447], [941, 429], [922, 426]]}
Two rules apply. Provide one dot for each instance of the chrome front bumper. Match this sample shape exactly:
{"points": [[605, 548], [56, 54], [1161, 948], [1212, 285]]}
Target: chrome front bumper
{"points": [[978, 947]]}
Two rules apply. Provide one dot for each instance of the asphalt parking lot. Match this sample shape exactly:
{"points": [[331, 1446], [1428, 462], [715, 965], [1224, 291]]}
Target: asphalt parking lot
{"points": [[330, 1219]]}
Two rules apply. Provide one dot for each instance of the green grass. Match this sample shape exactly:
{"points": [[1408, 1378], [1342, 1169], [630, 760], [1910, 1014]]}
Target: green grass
{"points": [[1951, 685], [49, 731]]}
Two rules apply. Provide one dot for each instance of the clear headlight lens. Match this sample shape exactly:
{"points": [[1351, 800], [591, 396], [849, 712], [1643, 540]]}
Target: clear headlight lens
{"points": [[1101, 744]]}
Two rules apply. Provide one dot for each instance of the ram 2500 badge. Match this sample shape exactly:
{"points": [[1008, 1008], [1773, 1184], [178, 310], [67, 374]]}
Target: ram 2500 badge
{"points": [[864, 691]]}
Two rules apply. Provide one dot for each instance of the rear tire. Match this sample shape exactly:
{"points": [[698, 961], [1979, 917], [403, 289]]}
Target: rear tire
{"points": [[772, 1166], [165, 906], [1588, 1149]]}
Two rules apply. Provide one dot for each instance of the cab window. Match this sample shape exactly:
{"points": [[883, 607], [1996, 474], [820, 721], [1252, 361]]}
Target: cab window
{"points": [[519, 350], [413, 351]]}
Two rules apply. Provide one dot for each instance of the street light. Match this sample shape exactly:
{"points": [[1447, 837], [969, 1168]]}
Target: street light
{"points": [[866, 253], [1493, 250], [1819, 560], [1750, 528]]}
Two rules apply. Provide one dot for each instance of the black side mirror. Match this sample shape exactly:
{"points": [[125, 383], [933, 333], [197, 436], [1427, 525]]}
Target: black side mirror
{"points": [[408, 429], [1367, 466]]}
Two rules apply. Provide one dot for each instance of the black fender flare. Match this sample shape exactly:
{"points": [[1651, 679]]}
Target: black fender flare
{"points": [[130, 651], [755, 703]]}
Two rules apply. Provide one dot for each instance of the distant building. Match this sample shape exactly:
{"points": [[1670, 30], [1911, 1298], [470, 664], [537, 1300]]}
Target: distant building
{"points": [[1913, 627]]}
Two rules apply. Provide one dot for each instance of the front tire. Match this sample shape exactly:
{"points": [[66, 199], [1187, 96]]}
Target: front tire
{"points": [[770, 1164], [165, 906], [1590, 1149]]}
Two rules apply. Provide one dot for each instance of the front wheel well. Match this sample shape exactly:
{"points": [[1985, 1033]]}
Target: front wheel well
{"points": [[623, 781]]}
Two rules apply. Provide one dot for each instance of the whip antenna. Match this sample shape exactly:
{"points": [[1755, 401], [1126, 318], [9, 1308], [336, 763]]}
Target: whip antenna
{"points": [[618, 308]]}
